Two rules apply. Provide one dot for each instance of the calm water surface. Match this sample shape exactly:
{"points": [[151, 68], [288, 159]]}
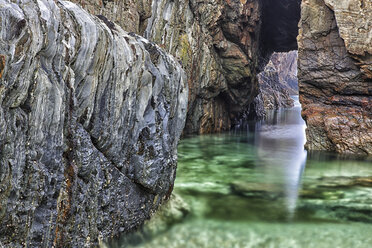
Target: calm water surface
{"points": [[259, 188]]}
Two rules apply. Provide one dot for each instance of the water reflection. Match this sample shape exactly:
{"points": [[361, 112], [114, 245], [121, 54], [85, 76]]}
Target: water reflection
{"points": [[279, 141], [250, 188]]}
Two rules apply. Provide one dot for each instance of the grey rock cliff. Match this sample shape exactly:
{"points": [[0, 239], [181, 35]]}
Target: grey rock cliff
{"points": [[90, 119], [131, 15], [272, 94], [277, 82], [286, 65]]}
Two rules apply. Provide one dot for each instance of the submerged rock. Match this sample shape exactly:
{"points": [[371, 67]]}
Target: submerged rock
{"points": [[338, 198], [256, 190], [173, 212], [335, 74], [211, 233], [90, 118]]}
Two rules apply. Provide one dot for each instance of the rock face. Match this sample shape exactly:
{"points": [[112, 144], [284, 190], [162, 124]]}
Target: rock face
{"points": [[131, 15], [219, 45], [286, 65], [224, 44], [216, 42], [90, 118], [277, 83], [335, 74]]}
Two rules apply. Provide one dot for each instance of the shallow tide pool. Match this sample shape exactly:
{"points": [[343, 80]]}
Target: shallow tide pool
{"points": [[258, 187]]}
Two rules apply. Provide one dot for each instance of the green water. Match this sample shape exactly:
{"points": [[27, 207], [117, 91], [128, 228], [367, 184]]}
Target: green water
{"points": [[258, 187]]}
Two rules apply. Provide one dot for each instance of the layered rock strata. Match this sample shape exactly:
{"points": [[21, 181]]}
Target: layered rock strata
{"points": [[131, 15], [335, 74], [286, 65], [277, 83], [272, 94], [221, 44], [217, 44], [90, 117]]}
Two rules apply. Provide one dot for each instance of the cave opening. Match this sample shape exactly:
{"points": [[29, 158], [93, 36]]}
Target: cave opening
{"points": [[278, 57], [279, 27], [278, 83]]}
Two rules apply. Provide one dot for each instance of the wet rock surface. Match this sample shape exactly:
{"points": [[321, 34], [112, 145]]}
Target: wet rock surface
{"points": [[90, 118], [335, 74]]}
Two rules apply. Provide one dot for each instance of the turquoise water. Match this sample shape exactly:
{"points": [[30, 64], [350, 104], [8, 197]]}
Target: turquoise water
{"points": [[258, 187]]}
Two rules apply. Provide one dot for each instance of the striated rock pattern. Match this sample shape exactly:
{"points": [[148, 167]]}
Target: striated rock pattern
{"points": [[354, 22], [90, 118], [272, 93], [277, 83], [131, 15], [217, 44], [335, 75], [221, 44], [286, 65]]}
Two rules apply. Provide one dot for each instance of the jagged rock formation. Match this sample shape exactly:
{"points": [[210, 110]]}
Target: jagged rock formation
{"points": [[272, 93], [277, 83], [90, 118], [131, 15], [286, 65], [224, 44], [335, 74], [218, 43]]}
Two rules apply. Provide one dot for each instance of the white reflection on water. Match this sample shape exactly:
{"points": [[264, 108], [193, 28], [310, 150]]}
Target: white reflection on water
{"points": [[280, 141]]}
